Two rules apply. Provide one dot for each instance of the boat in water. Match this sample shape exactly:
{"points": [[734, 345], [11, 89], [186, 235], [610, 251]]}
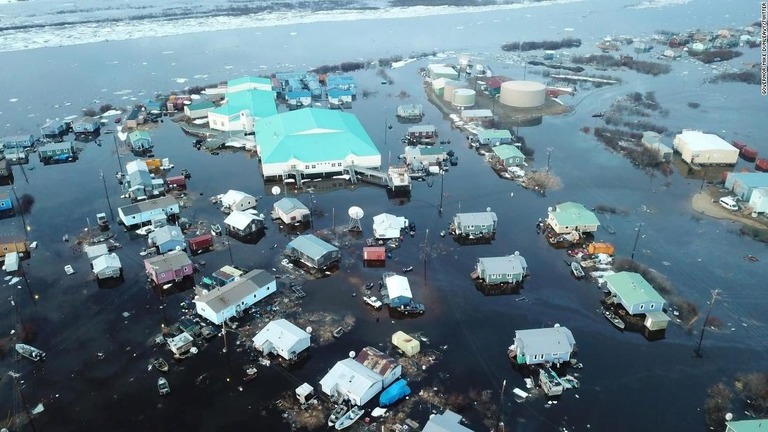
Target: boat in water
{"points": [[576, 269], [550, 382], [398, 390], [349, 418], [336, 415], [216, 229], [162, 386], [160, 364], [30, 352], [614, 319]]}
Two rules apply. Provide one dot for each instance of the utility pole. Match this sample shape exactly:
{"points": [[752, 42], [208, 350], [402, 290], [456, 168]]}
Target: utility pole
{"points": [[111, 213], [229, 248], [426, 254], [385, 125], [21, 210], [637, 237], [499, 421], [715, 296], [703, 179], [117, 152], [23, 401], [442, 178]]}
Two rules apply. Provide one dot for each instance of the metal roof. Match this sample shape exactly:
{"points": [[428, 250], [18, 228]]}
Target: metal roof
{"points": [[398, 286], [311, 246], [544, 341], [240, 219], [259, 103], [477, 113], [632, 288], [65, 145], [139, 134], [422, 128], [234, 292], [170, 261], [698, 141], [376, 361], [747, 426], [249, 80], [143, 206], [506, 151], [448, 421], [573, 214], [201, 105], [502, 265], [480, 218], [290, 204], [233, 197], [281, 333], [166, 234], [95, 251], [105, 262], [750, 179], [494, 133], [312, 135], [350, 377]]}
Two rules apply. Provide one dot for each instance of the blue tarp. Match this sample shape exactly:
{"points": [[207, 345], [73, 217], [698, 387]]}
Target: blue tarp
{"points": [[398, 390]]}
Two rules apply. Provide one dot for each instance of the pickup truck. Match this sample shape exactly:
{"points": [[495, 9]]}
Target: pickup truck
{"points": [[372, 301]]}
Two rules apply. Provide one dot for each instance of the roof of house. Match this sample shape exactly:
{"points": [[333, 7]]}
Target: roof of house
{"points": [[139, 134], [351, 377], [698, 140], [281, 333], [336, 92], [312, 135], [14, 138], [232, 197], [440, 68], [240, 219], [750, 179], [64, 145], [201, 105], [249, 80], [288, 205], [136, 165], [506, 264], [506, 151], [494, 133], [295, 94], [544, 340], [479, 218], [574, 214], [477, 113], [398, 286], [106, 261], [89, 120], [234, 292], [96, 251], [756, 425], [332, 80], [143, 206], [376, 361], [311, 246], [651, 137], [448, 421], [259, 103], [632, 288], [421, 128], [166, 234], [169, 261], [387, 221], [425, 150]]}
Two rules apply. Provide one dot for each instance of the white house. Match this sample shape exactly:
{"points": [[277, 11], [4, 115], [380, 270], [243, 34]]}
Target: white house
{"points": [[249, 83], [448, 421], [243, 223], [291, 210], [570, 216], [232, 299], [237, 200], [107, 266], [351, 381], [386, 226], [145, 211], [241, 110], [282, 338], [398, 289], [758, 201]]}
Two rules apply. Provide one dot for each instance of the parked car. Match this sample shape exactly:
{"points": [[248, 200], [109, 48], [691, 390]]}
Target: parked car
{"points": [[729, 203], [372, 301], [411, 308]]}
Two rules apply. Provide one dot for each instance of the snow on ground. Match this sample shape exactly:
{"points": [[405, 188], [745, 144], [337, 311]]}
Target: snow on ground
{"points": [[658, 4], [76, 27]]}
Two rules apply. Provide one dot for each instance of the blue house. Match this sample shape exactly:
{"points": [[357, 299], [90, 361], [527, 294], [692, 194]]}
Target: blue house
{"points": [[299, 97], [338, 97], [344, 82], [18, 141], [53, 129], [167, 238], [140, 141], [5, 203], [85, 125]]}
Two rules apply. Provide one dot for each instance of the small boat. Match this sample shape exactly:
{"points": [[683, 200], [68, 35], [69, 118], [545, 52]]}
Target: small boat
{"points": [[162, 386], [408, 269], [216, 229], [117, 120], [576, 269], [336, 415], [598, 115], [349, 418], [250, 374], [30, 352], [160, 364], [614, 319], [398, 390], [338, 332], [378, 412], [550, 382]]}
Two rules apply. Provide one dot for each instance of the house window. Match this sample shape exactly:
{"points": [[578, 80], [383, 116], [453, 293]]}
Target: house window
{"points": [[642, 306], [653, 305], [509, 275], [306, 166], [314, 166]]}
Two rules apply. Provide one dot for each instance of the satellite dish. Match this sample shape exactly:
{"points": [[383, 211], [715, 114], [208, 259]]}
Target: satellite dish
{"points": [[356, 212], [557, 325], [193, 350], [549, 209], [275, 190], [517, 253], [729, 417], [205, 292], [351, 354], [487, 209], [178, 248], [309, 330]]}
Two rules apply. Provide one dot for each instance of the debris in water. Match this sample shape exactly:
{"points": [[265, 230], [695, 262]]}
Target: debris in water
{"points": [[126, 314]]}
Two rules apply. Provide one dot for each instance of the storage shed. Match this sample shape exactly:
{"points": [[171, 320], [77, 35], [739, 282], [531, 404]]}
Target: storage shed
{"points": [[743, 184], [398, 290], [281, 338], [291, 210], [406, 343], [313, 251], [699, 148], [107, 266]]}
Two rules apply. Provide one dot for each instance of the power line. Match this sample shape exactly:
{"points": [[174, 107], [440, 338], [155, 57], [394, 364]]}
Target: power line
{"points": [[715, 296]]}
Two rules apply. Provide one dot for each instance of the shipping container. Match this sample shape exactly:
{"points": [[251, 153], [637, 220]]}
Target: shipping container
{"points": [[407, 344], [738, 144], [176, 182], [600, 248], [748, 154], [200, 244], [153, 164], [761, 165]]}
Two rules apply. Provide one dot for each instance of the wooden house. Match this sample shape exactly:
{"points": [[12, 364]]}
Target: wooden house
{"points": [[169, 267], [12, 245]]}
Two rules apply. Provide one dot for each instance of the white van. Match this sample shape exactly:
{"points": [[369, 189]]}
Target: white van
{"points": [[729, 203]]}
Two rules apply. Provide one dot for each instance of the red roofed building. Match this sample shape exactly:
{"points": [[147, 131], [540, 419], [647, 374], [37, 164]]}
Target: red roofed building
{"points": [[383, 365], [494, 84], [374, 256]]}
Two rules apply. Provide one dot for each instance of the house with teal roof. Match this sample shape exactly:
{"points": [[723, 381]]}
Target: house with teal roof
{"points": [[570, 216], [494, 137], [199, 109], [637, 296], [747, 426], [249, 83], [313, 141], [509, 155], [140, 140], [242, 110]]}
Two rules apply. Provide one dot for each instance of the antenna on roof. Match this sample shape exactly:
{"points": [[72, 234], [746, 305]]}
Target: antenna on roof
{"points": [[275, 190]]}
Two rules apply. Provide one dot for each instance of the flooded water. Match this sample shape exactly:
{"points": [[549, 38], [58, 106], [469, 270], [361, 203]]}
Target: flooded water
{"points": [[96, 375]]}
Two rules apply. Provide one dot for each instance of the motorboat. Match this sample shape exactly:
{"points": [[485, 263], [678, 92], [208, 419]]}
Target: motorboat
{"points": [[162, 386], [408, 269], [349, 418], [550, 382], [216, 229], [576, 269], [30, 352], [160, 364], [336, 415], [614, 319]]}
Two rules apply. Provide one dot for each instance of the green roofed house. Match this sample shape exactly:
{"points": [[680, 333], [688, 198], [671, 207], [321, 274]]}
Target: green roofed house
{"points": [[198, 110], [241, 110], [747, 426], [249, 83], [140, 140], [509, 155], [637, 296], [312, 251], [570, 216], [494, 137], [313, 141]]}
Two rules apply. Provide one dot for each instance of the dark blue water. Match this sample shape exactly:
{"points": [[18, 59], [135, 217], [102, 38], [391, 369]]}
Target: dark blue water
{"points": [[624, 374]]}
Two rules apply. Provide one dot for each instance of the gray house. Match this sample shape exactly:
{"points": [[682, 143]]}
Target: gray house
{"points": [[18, 141], [505, 269], [475, 224], [167, 238], [242, 223], [107, 266], [85, 125], [552, 345], [53, 129], [145, 211], [312, 251], [291, 210]]}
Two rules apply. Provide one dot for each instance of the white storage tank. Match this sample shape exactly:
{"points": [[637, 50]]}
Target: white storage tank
{"points": [[464, 97], [450, 87], [523, 94]]}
